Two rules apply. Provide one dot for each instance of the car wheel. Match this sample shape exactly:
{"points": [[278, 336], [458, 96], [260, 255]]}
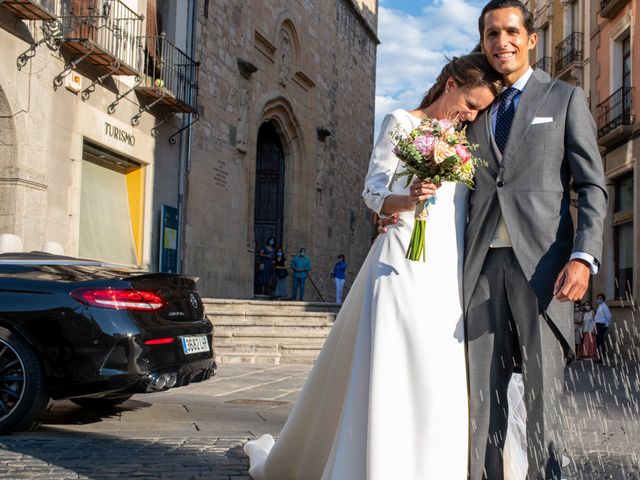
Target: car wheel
{"points": [[22, 392], [101, 403]]}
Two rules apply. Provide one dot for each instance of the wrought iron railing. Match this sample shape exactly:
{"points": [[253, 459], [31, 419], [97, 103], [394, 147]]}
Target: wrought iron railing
{"points": [[544, 64], [109, 24], [569, 51], [169, 69], [615, 111]]}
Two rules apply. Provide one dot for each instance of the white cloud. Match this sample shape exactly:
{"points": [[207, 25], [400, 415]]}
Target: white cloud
{"points": [[414, 48]]}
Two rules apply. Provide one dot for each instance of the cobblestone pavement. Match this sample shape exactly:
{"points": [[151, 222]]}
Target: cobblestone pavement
{"points": [[197, 431]]}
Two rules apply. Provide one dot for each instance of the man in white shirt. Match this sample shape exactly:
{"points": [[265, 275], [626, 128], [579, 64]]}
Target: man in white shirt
{"points": [[603, 320]]}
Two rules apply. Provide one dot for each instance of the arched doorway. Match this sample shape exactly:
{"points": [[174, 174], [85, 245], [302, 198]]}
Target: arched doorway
{"points": [[269, 193]]}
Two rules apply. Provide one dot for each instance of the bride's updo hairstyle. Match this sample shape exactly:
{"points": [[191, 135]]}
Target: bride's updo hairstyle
{"points": [[468, 71]]}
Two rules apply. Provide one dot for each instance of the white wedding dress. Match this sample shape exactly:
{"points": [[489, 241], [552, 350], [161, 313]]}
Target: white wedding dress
{"points": [[387, 397]]}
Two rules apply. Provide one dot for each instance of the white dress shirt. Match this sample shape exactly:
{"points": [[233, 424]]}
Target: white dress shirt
{"points": [[603, 315]]}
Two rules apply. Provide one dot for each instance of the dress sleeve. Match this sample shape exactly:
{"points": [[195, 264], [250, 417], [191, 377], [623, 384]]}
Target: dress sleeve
{"points": [[382, 167]]}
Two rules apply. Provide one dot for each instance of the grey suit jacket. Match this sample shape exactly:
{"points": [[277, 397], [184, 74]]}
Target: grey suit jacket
{"points": [[530, 184]]}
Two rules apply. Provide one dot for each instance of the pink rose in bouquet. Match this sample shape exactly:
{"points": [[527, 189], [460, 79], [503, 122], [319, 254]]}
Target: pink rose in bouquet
{"points": [[463, 153], [425, 143]]}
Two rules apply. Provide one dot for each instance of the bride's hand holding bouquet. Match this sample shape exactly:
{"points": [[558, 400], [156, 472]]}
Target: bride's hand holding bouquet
{"points": [[435, 151]]}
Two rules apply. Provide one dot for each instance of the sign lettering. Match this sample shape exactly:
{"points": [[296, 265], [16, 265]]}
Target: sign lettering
{"points": [[119, 134]]}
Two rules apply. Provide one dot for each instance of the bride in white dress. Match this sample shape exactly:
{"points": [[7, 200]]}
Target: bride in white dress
{"points": [[387, 397]]}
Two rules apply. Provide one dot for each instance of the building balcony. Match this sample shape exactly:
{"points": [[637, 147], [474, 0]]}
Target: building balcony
{"points": [[102, 33], [32, 9], [171, 76], [610, 8], [544, 64], [615, 117], [569, 53]]}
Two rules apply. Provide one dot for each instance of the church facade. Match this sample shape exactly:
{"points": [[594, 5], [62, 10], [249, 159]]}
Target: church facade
{"points": [[287, 94]]}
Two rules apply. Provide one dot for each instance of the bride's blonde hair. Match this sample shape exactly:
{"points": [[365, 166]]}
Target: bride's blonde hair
{"points": [[468, 71]]}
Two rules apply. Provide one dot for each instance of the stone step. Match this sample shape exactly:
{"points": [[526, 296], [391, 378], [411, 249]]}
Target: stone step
{"points": [[229, 305], [220, 318], [266, 359], [273, 332], [227, 327], [231, 341], [269, 312], [269, 332], [272, 348]]}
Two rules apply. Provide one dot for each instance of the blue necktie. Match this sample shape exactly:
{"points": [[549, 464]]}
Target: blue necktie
{"points": [[506, 111]]}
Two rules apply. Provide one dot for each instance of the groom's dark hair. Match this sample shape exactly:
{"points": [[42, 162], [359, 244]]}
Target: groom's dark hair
{"points": [[527, 16]]}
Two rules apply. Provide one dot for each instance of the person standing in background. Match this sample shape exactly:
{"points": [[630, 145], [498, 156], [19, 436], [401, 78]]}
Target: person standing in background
{"points": [[603, 320], [266, 258], [281, 275], [589, 332], [301, 266], [339, 274]]}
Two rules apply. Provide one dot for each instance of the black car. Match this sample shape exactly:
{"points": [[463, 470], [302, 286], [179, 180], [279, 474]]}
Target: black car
{"points": [[95, 333]]}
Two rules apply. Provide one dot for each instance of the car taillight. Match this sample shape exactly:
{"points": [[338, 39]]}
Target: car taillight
{"points": [[119, 299], [159, 341]]}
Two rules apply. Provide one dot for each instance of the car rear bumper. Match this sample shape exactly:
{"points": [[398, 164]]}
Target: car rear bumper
{"points": [[131, 366]]}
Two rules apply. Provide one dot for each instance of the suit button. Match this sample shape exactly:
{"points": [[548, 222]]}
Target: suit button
{"points": [[500, 183]]}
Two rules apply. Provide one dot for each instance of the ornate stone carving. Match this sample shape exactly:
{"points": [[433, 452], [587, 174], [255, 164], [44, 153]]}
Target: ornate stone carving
{"points": [[285, 58], [244, 95]]}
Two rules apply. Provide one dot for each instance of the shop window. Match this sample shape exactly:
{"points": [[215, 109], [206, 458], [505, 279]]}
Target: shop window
{"points": [[111, 206]]}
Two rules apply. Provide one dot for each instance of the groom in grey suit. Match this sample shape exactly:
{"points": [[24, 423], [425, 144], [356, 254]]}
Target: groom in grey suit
{"points": [[523, 264]]}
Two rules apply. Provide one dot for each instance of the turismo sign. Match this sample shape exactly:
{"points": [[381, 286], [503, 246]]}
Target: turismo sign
{"points": [[119, 134]]}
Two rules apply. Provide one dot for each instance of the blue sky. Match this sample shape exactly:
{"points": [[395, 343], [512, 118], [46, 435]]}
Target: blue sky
{"points": [[416, 37]]}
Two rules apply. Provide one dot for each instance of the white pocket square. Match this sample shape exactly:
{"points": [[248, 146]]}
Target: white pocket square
{"points": [[537, 120]]}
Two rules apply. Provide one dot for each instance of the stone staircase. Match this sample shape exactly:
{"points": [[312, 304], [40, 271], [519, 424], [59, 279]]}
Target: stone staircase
{"points": [[268, 332]]}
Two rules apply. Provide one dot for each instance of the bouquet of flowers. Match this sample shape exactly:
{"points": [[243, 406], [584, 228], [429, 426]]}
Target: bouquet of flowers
{"points": [[436, 151]]}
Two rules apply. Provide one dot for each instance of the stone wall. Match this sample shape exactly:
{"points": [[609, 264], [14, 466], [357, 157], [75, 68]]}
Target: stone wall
{"points": [[314, 79], [42, 129]]}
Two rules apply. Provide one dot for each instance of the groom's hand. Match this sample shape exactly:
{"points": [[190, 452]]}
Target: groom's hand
{"points": [[384, 222], [572, 282]]}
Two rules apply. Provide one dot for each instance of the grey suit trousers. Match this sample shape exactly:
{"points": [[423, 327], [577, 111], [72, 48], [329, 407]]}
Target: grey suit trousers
{"points": [[505, 331]]}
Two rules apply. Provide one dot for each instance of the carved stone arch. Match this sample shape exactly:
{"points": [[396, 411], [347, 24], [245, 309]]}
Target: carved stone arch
{"points": [[285, 25], [288, 52], [278, 109]]}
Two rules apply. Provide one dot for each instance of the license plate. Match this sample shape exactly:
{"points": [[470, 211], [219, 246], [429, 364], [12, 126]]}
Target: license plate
{"points": [[195, 344]]}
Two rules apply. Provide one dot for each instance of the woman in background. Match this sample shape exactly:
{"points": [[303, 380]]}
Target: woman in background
{"points": [[265, 266], [281, 275]]}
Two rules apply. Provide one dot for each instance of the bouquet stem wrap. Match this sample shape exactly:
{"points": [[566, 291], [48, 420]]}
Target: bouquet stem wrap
{"points": [[417, 249]]}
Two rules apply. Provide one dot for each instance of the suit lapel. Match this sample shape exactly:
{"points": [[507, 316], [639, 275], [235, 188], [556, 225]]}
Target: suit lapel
{"points": [[532, 97], [484, 138]]}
